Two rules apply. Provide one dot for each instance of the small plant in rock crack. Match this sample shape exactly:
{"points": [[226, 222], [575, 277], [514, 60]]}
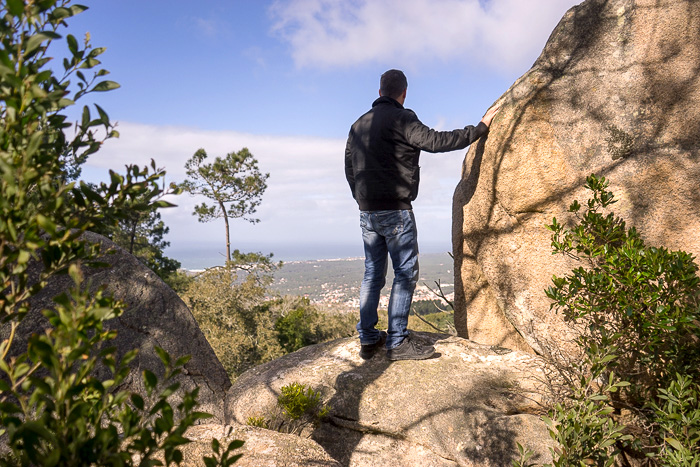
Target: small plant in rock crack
{"points": [[298, 407], [258, 421]]}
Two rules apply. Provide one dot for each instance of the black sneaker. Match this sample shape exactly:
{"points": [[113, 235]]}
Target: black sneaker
{"points": [[410, 350], [367, 351]]}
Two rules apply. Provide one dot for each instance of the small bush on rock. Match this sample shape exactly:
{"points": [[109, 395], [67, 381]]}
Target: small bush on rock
{"points": [[298, 407]]}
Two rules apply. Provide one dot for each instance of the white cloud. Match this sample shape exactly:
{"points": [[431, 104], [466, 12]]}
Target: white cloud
{"points": [[504, 34], [307, 201], [207, 27]]}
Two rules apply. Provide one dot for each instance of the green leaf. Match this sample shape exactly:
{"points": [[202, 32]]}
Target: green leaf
{"points": [[137, 401], [164, 356], [91, 194], [150, 379], [46, 224], [164, 204], [182, 360], [72, 43], [104, 118], [15, 7], [38, 39], [89, 63], [235, 444], [675, 443], [60, 13], [77, 9], [97, 51], [85, 121], [105, 86]]}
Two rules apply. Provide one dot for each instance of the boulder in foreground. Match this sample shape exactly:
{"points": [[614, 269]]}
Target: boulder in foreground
{"points": [[468, 407], [154, 316]]}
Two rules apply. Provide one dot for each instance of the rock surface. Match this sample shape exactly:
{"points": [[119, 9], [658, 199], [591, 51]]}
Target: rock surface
{"points": [[615, 92], [261, 448], [468, 407], [155, 316]]}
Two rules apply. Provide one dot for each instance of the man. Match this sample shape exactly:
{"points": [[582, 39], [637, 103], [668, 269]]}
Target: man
{"points": [[381, 166]]}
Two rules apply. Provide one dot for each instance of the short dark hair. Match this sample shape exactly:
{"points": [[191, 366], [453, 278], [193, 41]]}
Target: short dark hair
{"points": [[393, 83]]}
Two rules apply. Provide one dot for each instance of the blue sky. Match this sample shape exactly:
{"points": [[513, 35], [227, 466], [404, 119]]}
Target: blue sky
{"points": [[287, 78]]}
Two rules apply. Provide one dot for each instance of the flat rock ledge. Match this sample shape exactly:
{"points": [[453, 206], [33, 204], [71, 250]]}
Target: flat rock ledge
{"points": [[468, 406]]}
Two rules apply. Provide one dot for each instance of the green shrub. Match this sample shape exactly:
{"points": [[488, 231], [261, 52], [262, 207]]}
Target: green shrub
{"points": [[246, 327], [230, 308], [53, 409], [643, 300], [637, 311], [295, 328], [57, 412], [300, 324], [582, 425]]}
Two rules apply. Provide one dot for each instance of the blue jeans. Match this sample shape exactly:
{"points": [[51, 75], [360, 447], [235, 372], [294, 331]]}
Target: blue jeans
{"points": [[392, 232]]}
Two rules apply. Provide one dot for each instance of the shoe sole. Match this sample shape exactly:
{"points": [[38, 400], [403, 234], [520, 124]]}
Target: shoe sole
{"points": [[410, 357]]}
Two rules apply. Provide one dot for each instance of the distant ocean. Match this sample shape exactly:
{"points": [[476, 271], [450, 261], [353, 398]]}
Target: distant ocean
{"points": [[206, 256]]}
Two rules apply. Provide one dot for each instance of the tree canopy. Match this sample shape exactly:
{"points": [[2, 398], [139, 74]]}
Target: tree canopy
{"points": [[234, 183]]}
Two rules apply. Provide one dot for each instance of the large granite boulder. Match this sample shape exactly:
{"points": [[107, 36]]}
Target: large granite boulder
{"points": [[470, 406], [155, 316], [616, 92]]}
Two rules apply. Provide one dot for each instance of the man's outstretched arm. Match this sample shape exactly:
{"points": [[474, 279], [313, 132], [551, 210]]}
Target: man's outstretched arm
{"points": [[427, 139]]}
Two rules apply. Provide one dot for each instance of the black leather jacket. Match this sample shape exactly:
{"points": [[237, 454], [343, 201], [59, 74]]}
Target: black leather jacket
{"points": [[381, 155]]}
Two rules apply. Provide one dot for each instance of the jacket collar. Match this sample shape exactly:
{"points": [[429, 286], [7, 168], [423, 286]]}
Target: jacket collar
{"points": [[387, 100]]}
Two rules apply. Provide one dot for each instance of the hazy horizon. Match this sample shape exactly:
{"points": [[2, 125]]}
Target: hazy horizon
{"points": [[212, 255]]}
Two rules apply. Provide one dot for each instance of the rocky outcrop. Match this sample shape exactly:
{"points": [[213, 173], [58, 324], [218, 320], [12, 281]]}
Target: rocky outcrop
{"points": [[154, 316], [615, 92], [469, 406], [261, 448]]}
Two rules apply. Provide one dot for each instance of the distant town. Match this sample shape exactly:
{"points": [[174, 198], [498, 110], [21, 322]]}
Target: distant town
{"points": [[336, 282]]}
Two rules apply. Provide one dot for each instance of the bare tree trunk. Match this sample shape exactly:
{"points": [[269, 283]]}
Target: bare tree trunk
{"points": [[228, 240]]}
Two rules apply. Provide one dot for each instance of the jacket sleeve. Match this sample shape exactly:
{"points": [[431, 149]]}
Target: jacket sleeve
{"points": [[349, 171], [427, 139]]}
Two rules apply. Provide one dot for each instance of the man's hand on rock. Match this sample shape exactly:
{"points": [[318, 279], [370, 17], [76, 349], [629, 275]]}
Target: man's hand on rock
{"points": [[490, 114]]}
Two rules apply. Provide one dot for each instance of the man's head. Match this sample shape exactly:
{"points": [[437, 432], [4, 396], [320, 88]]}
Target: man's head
{"points": [[393, 84]]}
